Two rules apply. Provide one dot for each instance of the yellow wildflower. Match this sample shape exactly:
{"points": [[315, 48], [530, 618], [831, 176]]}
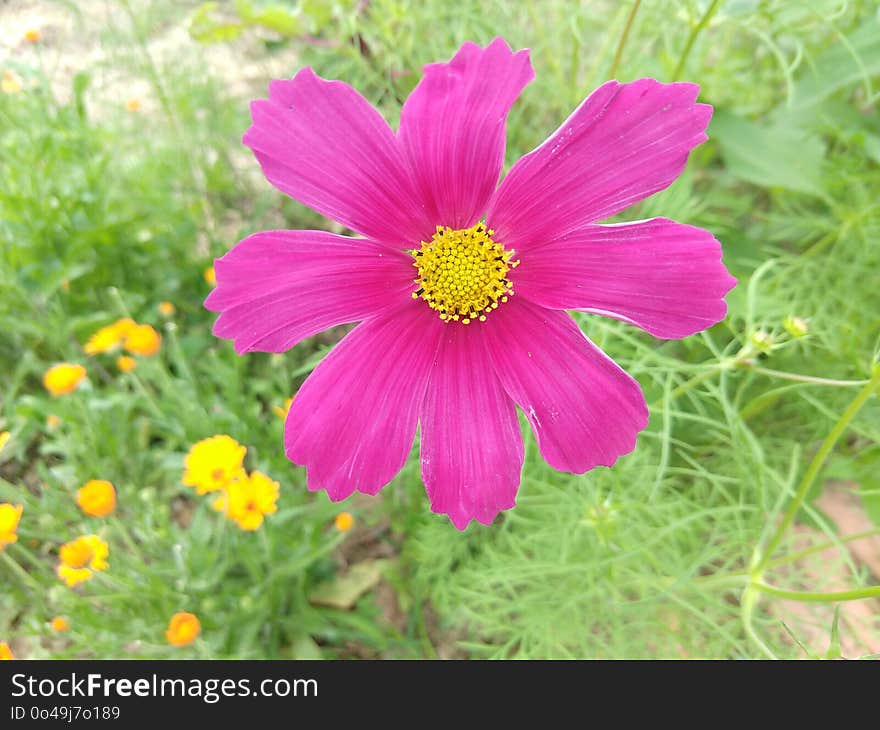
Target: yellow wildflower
{"points": [[109, 337], [282, 412], [32, 35], [4, 438], [166, 309], [247, 501], [11, 82], [10, 514], [143, 340], [60, 625], [63, 378], [5, 651], [80, 558], [210, 276], [96, 497], [213, 463], [344, 521], [52, 421], [183, 629], [133, 104], [126, 363]]}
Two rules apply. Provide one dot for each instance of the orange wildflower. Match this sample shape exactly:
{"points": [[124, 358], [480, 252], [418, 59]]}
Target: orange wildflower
{"points": [[126, 363], [344, 521], [63, 378], [10, 514], [183, 629], [96, 498], [80, 559], [142, 339]]}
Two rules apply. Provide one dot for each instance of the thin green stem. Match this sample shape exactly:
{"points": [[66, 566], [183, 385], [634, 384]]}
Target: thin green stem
{"points": [[811, 379], [26, 577], [127, 538], [701, 377], [821, 244], [814, 468], [422, 630], [732, 579], [723, 580], [747, 607], [811, 597], [615, 63], [178, 354], [695, 31], [801, 554], [148, 397], [121, 308]]}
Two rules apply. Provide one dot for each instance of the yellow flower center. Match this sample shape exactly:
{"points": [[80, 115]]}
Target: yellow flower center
{"points": [[463, 273]]}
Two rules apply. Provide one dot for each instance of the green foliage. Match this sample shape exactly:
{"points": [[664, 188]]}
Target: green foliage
{"points": [[211, 23], [769, 157], [105, 213]]}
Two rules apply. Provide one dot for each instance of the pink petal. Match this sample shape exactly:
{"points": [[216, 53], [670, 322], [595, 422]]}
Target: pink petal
{"points": [[323, 144], [585, 411], [662, 276], [623, 143], [453, 128], [353, 421], [472, 449], [277, 287]]}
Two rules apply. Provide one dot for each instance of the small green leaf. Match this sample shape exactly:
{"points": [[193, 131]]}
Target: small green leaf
{"points": [[80, 84], [834, 642]]}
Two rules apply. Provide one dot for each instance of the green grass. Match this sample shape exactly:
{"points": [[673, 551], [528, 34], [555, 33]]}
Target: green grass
{"points": [[105, 213]]}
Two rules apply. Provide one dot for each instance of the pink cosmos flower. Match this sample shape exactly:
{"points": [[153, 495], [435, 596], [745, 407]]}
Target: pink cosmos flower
{"points": [[462, 320]]}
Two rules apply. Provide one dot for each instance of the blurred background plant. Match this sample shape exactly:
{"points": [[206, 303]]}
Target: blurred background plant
{"points": [[750, 508]]}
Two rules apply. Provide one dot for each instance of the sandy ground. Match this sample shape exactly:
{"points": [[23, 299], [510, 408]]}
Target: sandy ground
{"points": [[73, 41]]}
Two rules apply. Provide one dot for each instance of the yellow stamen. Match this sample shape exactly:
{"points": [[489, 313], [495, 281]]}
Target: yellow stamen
{"points": [[463, 273]]}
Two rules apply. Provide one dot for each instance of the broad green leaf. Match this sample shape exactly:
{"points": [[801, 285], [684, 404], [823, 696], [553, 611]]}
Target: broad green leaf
{"points": [[769, 156], [319, 13], [852, 59], [872, 146], [344, 590], [206, 26], [279, 19], [306, 648], [275, 16]]}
